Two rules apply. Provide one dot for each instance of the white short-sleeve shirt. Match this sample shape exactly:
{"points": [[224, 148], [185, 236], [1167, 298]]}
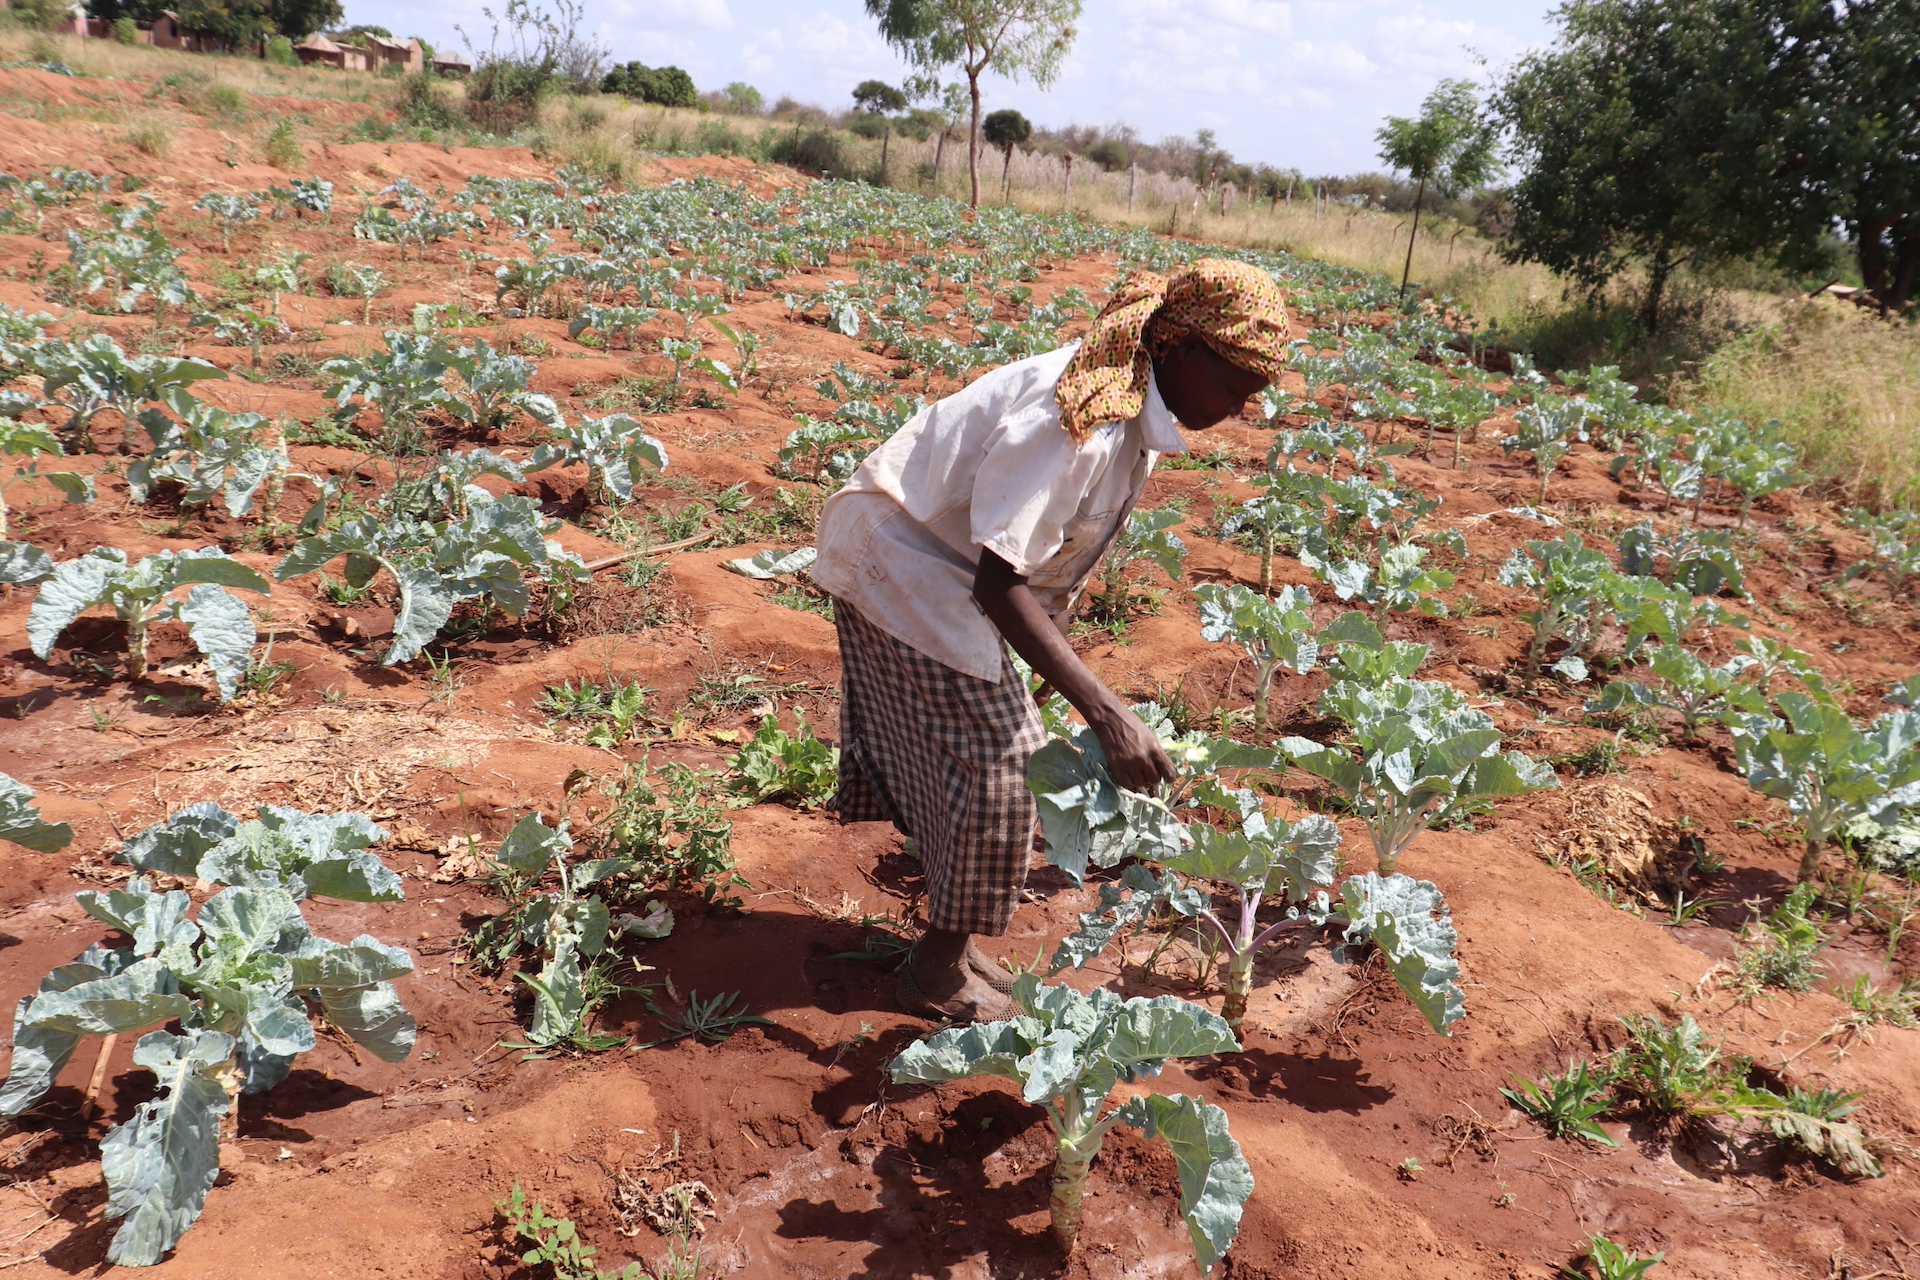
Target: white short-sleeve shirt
{"points": [[989, 466]]}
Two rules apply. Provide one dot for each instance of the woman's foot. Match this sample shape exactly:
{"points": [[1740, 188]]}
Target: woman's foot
{"points": [[989, 970], [941, 981]]}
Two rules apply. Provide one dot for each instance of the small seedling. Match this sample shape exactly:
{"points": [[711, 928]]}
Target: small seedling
{"points": [[714, 1019], [1610, 1261]]}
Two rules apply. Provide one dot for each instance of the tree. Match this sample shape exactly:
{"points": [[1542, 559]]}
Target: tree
{"points": [[1012, 38], [948, 103], [1004, 129], [1667, 132], [744, 99], [1446, 147], [138, 10], [1870, 156], [298, 19], [238, 24], [662, 86], [877, 97]]}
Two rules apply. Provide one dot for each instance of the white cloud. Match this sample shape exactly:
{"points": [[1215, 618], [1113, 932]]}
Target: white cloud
{"points": [[819, 57], [671, 16]]}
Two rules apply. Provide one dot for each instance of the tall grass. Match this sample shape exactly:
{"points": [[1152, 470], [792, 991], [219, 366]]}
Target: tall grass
{"points": [[1846, 385]]}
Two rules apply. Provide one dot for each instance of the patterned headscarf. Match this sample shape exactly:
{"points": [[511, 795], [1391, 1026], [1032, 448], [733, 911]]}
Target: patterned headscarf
{"points": [[1235, 308]]}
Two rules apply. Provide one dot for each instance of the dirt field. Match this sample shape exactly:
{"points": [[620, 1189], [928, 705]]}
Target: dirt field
{"points": [[817, 1166]]}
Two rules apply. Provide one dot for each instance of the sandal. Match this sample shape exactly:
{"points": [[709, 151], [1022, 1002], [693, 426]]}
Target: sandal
{"points": [[985, 969], [955, 1009]]}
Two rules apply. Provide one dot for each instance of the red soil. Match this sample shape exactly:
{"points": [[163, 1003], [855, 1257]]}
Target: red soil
{"points": [[819, 1167]]}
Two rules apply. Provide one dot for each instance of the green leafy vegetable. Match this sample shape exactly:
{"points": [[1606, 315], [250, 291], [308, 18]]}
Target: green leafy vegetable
{"points": [[1067, 1052]]}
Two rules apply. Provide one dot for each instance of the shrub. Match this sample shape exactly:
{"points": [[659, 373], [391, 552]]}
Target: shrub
{"points": [[662, 86], [744, 99], [127, 31], [503, 93], [226, 99], [283, 149], [719, 138], [422, 106], [150, 138], [816, 150]]}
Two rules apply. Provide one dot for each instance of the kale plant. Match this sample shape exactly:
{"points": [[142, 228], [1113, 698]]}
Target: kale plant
{"points": [[141, 594], [242, 978], [1827, 769], [21, 823], [437, 565], [1425, 755], [1067, 1052]]}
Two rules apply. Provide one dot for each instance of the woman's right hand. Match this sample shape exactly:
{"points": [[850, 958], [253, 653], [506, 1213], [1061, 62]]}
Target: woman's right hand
{"points": [[1134, 753]]}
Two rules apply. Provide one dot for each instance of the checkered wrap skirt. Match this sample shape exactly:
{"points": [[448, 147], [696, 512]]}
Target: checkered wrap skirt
{"points": [[943, 756]]}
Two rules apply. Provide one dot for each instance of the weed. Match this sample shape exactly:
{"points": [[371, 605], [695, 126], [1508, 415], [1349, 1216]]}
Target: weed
{"points": [[1667, 1067], [719, 694], [1597, 758], [1566, 1105], [1214, 459], [282, 148], [805, 598], [226, 99], [853, 1043], [340, 591], [1869, 1005], [1610, 1261], [324, 431], [150, 138], [263, 675], [1686, 910], [712, 1020], [888, 942], [671, 831], [1410, 1169], [556, 1241], [1780, 951], [644, 396], [609, 710], [798, 769], [443, 675]]}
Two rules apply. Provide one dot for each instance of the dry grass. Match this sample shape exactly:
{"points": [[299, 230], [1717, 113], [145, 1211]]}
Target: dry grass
{"points": [[150, 137], [106, 58], [1845, 383]]}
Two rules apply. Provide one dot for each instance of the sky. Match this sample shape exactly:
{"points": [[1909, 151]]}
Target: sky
{"points": [[1294, 83]]}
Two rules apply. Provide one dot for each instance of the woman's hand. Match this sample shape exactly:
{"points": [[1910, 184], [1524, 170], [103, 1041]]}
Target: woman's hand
{"points": [[1134, 754], [1138, 761]]}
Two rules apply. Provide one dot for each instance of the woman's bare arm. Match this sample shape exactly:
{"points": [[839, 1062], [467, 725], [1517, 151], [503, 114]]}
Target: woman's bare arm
{"points": [[1135, 755]]}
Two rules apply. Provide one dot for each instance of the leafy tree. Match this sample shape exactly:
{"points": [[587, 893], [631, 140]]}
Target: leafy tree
{"points": [[1446, 147], [1663, 132], [238, 24], [298, 19], [1011, 38], [1006, 129], [744, 98], [1870, 150], [878, 100], [877, 97], [662, 86]]}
